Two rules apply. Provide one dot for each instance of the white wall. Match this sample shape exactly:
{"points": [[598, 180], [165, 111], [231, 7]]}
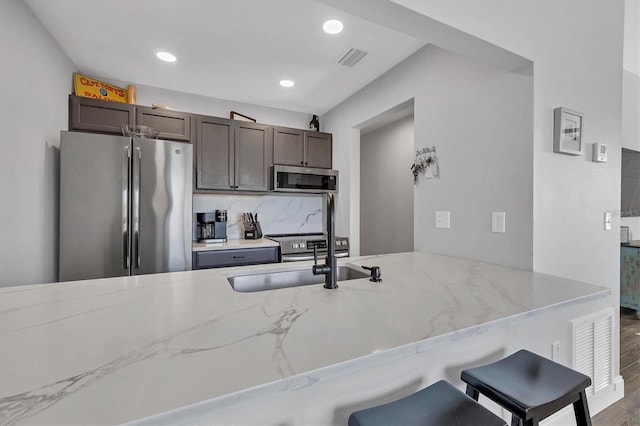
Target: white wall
{"points": [[35, 81], [570, 193], [197, 104], [579, 67], [631, 132], [386, 189], [480, 120]]}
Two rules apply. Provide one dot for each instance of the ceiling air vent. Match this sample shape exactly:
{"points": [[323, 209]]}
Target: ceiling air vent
{"points": [[352, 57]]}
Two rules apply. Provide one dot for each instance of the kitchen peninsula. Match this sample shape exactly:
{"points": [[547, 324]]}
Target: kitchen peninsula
{"points": [[121, 349]]}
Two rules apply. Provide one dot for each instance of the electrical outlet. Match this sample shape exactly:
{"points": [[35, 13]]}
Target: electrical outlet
{"points": [[498, 222], [607, 221], [443, 219], [555, 351]]}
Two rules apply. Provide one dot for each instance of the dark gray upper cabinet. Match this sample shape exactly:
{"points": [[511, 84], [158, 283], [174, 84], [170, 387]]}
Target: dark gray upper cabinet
{"points": [[288, 146], [318, 148], [214, 153], [229, 154], [232, 155], [294, 147], [96, 115], [172, 125], [253, 153]]}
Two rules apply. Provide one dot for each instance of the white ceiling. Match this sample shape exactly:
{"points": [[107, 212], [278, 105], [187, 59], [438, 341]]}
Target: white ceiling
{"points": [[631, 55], [237, 50], [479, 17]]}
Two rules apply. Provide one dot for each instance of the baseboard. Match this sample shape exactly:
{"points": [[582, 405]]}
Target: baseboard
{"points": [[597, 403]]}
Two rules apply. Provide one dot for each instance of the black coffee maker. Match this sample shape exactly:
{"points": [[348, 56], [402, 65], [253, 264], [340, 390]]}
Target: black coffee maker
{"points": [[212, 227]]}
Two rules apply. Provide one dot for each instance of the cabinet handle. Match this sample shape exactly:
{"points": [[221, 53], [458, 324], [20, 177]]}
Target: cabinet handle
{"points": [[125, 208], [238, 257], [302, 163]]}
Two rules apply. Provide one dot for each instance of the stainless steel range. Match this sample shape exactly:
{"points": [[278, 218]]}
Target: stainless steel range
{"points": [[299, 247]]}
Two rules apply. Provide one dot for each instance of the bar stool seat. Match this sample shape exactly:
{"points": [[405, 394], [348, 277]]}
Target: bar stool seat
{"points": [[531, 387], [440, 404]]}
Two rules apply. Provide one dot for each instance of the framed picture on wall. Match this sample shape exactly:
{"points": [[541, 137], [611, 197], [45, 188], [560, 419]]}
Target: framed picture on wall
{"points": [[567, 131], [237, 116]]}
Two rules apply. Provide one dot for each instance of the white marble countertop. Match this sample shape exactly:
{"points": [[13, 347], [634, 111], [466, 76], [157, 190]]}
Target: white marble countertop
{"points": [[119, 349], [235, 243]]}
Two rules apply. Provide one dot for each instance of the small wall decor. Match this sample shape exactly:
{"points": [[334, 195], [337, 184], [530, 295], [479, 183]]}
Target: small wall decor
{"points": [[314, 124], [237, 116], [567, 131], [426, 163]]}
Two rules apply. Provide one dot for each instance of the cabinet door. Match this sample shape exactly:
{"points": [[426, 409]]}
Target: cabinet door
{"points": [[214, 153], [253, 154], [288, 146], [317, 149], [96, 115], [172, 125]]}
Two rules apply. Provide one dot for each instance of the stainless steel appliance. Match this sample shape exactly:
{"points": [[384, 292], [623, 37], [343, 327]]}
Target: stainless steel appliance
{"points": [[299, 247], [125, 206], [303, 179], [212, 227]]}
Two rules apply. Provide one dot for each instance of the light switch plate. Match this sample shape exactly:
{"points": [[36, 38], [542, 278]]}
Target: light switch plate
{"points": [[607, 221], [443, 219], [555, 351], [498, 222]]}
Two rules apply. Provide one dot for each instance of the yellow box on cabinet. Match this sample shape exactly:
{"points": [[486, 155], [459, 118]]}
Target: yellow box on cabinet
{"points": [[92, 88]]}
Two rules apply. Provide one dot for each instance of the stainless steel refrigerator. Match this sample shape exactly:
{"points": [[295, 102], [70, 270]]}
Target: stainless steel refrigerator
{"points": [[125, 206]]}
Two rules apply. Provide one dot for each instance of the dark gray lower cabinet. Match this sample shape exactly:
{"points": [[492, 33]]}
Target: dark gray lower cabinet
{"points": [[239, 257]]}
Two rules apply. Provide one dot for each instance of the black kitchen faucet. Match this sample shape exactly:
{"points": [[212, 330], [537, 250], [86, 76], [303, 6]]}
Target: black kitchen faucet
{"points": [[330, 267]]}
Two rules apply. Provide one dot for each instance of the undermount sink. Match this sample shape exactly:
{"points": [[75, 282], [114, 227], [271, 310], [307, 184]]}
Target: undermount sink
{"points": [[285, 279]]}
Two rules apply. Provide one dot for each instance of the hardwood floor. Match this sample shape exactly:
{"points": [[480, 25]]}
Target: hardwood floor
{"points": [[626, 412]]}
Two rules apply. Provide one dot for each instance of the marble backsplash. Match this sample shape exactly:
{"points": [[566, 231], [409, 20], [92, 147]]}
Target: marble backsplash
{"points": [[278, 214]]}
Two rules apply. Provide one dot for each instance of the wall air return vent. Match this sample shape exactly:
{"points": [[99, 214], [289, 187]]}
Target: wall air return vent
{"points": [[593, 349], [352, 57]]}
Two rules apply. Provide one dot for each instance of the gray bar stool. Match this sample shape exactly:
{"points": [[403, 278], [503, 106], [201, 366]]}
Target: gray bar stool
{"points": [[531, 387], [440, 404]]}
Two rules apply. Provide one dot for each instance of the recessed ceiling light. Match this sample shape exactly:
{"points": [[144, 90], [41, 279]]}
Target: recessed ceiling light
{"points": [[332, 26], [287, 83], [166, 56]]}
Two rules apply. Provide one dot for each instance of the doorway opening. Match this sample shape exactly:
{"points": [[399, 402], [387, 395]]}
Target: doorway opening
{"points": [[386, 182]]}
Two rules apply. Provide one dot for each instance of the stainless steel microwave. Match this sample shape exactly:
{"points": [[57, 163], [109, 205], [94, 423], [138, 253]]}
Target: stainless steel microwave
{"points": [[303, 179]]}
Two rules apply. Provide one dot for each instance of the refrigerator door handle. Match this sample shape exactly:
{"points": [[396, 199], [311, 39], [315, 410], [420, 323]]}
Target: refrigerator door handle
{"points": [[126, 258], [136, 212]]}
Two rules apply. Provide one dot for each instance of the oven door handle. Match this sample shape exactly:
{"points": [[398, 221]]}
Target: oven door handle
{"points": [[289, 258], [296, 258]]}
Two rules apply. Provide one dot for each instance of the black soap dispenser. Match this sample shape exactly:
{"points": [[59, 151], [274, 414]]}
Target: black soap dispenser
{"points": [[314, 124]]}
